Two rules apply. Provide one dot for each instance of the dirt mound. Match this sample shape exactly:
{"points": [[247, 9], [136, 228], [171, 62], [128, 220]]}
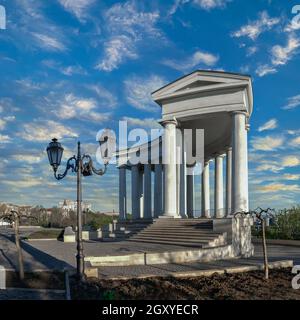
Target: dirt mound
{"points": [[239, 286]]}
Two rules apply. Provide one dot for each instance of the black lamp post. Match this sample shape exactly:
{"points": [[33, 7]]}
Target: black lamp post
{"points": [[82, 165]]}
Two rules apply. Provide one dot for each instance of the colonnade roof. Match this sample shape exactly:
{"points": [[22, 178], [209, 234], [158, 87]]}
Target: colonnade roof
{"points": [[205, 99]]}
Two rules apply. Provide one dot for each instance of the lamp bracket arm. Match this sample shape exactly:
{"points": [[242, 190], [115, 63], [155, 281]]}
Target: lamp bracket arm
{"points": [[70, 165], [100, 171]]}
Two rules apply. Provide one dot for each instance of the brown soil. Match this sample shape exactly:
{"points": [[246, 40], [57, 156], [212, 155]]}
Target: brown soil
{"points": [[37, 280], [239, 286]]}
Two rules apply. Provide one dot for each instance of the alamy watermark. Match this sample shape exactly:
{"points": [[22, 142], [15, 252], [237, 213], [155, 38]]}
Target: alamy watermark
{"points": [[296, 278], [170, 145], [2, 18]]}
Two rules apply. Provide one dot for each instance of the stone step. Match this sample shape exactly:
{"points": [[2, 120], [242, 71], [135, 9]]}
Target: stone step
{"points": [[181, 230], [131, 228], [163, 229], [179, 235], [177, 243], [168, 238], [218, 241], [186, 222]]}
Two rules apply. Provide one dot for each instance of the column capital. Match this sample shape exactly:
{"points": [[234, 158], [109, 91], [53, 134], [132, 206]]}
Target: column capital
{"points": [[219, 155], [246, 114], [207, 161], [165, 122], [191, 165], [228, 148]]}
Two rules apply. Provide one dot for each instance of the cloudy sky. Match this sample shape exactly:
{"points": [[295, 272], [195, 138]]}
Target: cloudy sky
{"points": [[71, 67]]}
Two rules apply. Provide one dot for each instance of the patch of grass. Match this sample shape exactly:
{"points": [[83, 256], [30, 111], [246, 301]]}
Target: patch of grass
{"points": [[46, 234]]}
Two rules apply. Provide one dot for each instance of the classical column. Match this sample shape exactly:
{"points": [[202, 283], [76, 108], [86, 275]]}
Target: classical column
{"points": [[205, 191], [228, 180], [169, 160], [190, 192], [141, 193], [239, 200], [158, 175], [181, 174], [147, 192], [219, 197], [122, 194], [183, 185], [135, 192]]}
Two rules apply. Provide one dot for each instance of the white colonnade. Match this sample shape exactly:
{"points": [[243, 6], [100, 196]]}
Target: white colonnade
{"points": [[166, 195]]}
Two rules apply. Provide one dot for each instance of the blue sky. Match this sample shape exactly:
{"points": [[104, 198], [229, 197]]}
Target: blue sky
{"points": [[74, 67]]}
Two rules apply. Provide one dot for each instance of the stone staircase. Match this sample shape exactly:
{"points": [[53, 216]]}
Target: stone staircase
{"points": [[122, 230], [181, 232], [197, 233]]}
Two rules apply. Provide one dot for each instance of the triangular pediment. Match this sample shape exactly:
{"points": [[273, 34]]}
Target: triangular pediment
{"points": [[197, 84], [198, 80]]}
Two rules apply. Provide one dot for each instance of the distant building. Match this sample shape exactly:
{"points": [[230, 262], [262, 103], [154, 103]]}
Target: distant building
{"points": [[4, 223], [70, 205]]}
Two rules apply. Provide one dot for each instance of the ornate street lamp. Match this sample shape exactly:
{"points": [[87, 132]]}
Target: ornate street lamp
{"points": [[82, 165]]}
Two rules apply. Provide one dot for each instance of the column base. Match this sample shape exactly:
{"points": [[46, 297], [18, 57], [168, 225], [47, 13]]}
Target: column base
{"points": [[169, 217]]}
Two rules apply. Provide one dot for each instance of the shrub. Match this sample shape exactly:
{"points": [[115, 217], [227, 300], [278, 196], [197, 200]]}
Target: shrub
{"points": [[285, 225]]}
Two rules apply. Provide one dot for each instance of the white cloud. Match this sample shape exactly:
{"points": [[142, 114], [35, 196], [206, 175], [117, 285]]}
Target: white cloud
{"points": [[4, 139], [253, 29], [126, 27], [198, 58], [66, 70], [291, 161], [77, 7], [45, 130], [265, 69], [109, 100], [293, 25], [4, 120], [203, 4], [281, 55], [277, 165], [276, 177], [267, 143], [9, 118], [27, 84], [251, 51], [75, 107], [31, 159], [2, 124], [49, 42], [293, 102], [295, 142], [138, 91], [28, 183], [274, 187], [117, 50], [272, 166], [211, 4], [269, 125], [142, 123], [293, 177]]}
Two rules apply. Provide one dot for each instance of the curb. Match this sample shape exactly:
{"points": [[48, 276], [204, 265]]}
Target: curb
{"points": [[288, 243], [207, 273]]}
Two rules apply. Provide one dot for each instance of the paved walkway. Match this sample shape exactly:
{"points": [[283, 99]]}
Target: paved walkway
{"points": [[27, 294], [58, 255]]}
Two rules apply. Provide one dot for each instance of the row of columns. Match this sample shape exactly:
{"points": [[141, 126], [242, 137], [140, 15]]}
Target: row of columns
{"points": [[141, 191], [174, 197]]}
